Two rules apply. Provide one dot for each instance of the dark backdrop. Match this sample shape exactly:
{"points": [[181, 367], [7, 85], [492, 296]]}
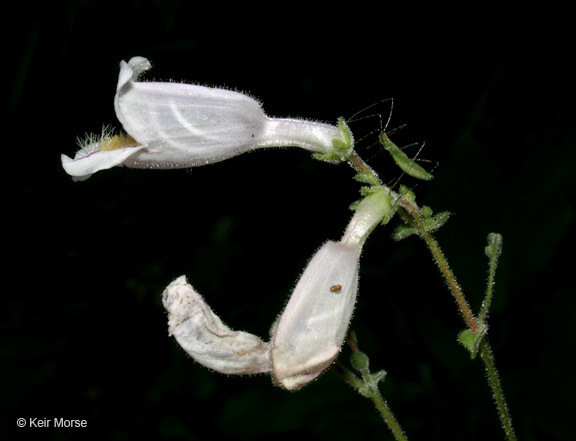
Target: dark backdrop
{"points": [[84, 334]]}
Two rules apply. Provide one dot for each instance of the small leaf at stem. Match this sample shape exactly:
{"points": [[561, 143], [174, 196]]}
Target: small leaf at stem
{"points": [[378, 376], [471, 340]]}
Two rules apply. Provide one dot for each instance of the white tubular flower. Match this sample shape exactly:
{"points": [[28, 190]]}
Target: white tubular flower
{"points": [[174, 125], [209, 341], [308, 335], [312, 328]]}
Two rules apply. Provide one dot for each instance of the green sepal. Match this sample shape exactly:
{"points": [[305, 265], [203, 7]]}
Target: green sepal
{"points": [[373, 189], [354, 205], [342, 148], [471, 340], [433, 223], [346, 133], [367, 191], [366, 178], [339, 145], [328, 157], [403, 231]]}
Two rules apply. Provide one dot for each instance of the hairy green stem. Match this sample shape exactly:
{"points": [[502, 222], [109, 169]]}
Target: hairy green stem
{"points": [[444, 268], [410, 212], [374, 394], [358, 164], [493, 251], [387, 415], [497, 391], [472, 323]]}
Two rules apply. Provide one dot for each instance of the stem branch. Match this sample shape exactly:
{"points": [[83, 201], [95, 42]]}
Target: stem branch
{"points": [[471, 321], [374, 394], [410, 212], [449, 276]]}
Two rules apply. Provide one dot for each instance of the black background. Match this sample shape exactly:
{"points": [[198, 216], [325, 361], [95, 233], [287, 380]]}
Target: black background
{"points": [[84, 334]]}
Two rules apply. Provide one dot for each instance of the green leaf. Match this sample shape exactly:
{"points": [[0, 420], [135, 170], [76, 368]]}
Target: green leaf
{"points": [[471, 340], [378, 376]]}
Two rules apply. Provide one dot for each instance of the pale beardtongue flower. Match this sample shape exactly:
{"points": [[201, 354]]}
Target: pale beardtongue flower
{"points": [[175, 125], [308, 335]]}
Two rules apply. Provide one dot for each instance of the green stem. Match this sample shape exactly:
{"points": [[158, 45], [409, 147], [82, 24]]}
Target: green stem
{"points": [[482, 315], [485, 352], [493, 251], [471, 321], [443, 266], [358, 164], [497, 392], [411, 214], [374, 394], [387, 415]]}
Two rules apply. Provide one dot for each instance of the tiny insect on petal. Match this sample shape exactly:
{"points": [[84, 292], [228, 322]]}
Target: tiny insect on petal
{"points": [[311, 330]]}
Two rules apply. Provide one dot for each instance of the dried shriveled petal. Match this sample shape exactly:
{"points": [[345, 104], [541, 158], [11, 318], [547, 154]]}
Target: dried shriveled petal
{"points": [[210, 342]]}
